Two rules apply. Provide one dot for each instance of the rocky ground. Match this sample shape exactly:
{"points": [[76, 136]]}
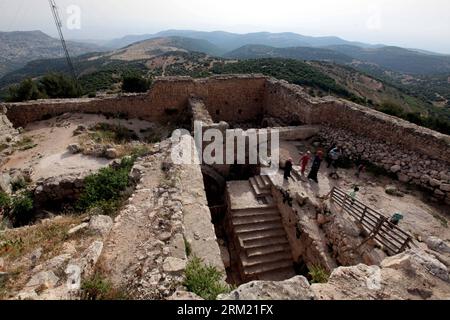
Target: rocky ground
{"points": [[49, 260], [412, 275]]}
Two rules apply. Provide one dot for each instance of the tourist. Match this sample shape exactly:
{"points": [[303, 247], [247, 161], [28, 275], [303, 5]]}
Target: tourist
{"points": [[334, 156], [304, 162], [396, 218], [288, 168], [353, 193], [316, 167], [327, 156]]}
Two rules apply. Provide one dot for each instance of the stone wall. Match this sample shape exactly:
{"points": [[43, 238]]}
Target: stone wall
{"points": [[7, 132], [228, 98], [305, 239], [409, 166], [291, 103], [415, 154]]}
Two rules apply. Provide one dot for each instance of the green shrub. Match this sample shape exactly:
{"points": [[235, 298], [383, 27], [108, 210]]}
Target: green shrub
{"points": [[104, 188], [205, 281], [317, 274], [187, 247], [5, 201], [26, 90], [21, 212], [391, 108], [57, 85], [53, 85], [18, 184], [25, 143], [135, 83], [99, 288]]}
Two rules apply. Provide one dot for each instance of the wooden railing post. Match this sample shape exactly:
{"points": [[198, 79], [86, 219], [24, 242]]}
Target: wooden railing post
{"points": [[363, 215], [405, 245]]}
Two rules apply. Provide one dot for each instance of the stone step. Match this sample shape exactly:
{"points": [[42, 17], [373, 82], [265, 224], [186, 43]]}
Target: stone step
{"points": [[251, 212], [265, 259], [268, 267], [258, 192], [277, 274], [267, 181], [237, 221], [260, 235], [261, 184], [267, 250], [258, 243], [264, 226]]}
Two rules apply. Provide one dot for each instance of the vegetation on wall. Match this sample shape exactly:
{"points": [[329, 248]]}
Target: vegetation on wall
{"points": [[205, 281]]}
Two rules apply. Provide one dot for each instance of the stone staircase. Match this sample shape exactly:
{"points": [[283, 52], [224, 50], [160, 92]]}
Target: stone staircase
{"points": [[263, 247], [261, 186]]}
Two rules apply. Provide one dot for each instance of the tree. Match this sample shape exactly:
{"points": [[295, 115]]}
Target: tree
{"points": [[26, 90], [56, 85], [135, 83], [53, 85]]}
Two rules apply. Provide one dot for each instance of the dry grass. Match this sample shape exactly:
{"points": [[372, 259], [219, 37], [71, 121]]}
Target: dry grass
{"points": [[25, 143], [16, 246], [125, 141], [48, 235]]}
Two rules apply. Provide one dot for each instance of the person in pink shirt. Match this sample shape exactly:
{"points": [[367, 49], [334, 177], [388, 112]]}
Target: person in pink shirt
{"points": [[304, 161]]}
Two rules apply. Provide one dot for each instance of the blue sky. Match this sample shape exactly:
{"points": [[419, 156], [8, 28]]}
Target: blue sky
{"points": [[408, 23]]}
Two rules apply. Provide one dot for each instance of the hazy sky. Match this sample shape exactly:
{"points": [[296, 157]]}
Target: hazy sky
{"points": [[421, 24]]}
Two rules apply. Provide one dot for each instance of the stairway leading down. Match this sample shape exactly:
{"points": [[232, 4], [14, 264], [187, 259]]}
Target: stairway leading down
{"points": [[261, 240]]}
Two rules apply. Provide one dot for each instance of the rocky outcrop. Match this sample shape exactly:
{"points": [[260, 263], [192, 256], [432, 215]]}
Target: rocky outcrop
{"points": [[413, 275], [57, 189], [60, 277], [296, 288]]}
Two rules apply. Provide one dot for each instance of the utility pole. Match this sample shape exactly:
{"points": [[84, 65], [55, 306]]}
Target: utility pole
{"points": [[57, 18]]}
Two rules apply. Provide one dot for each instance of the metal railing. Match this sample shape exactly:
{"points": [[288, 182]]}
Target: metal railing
{"points": [[378, 226]]}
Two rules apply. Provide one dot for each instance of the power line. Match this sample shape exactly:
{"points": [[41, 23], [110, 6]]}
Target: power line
{"points": [[58, 22]]}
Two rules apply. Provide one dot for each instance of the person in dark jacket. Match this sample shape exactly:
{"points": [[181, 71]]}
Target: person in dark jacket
{"points": [[288, 169], [316, 167]]}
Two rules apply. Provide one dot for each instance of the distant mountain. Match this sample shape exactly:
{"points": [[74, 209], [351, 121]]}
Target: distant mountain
{"points": [[398, 59], [19, 47], [393, 59], [231, 41], [298, 53], [157, 46], [154, 57]]}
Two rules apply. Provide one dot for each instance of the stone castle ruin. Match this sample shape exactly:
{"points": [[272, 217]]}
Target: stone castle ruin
{"points": [[256, 227]]}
